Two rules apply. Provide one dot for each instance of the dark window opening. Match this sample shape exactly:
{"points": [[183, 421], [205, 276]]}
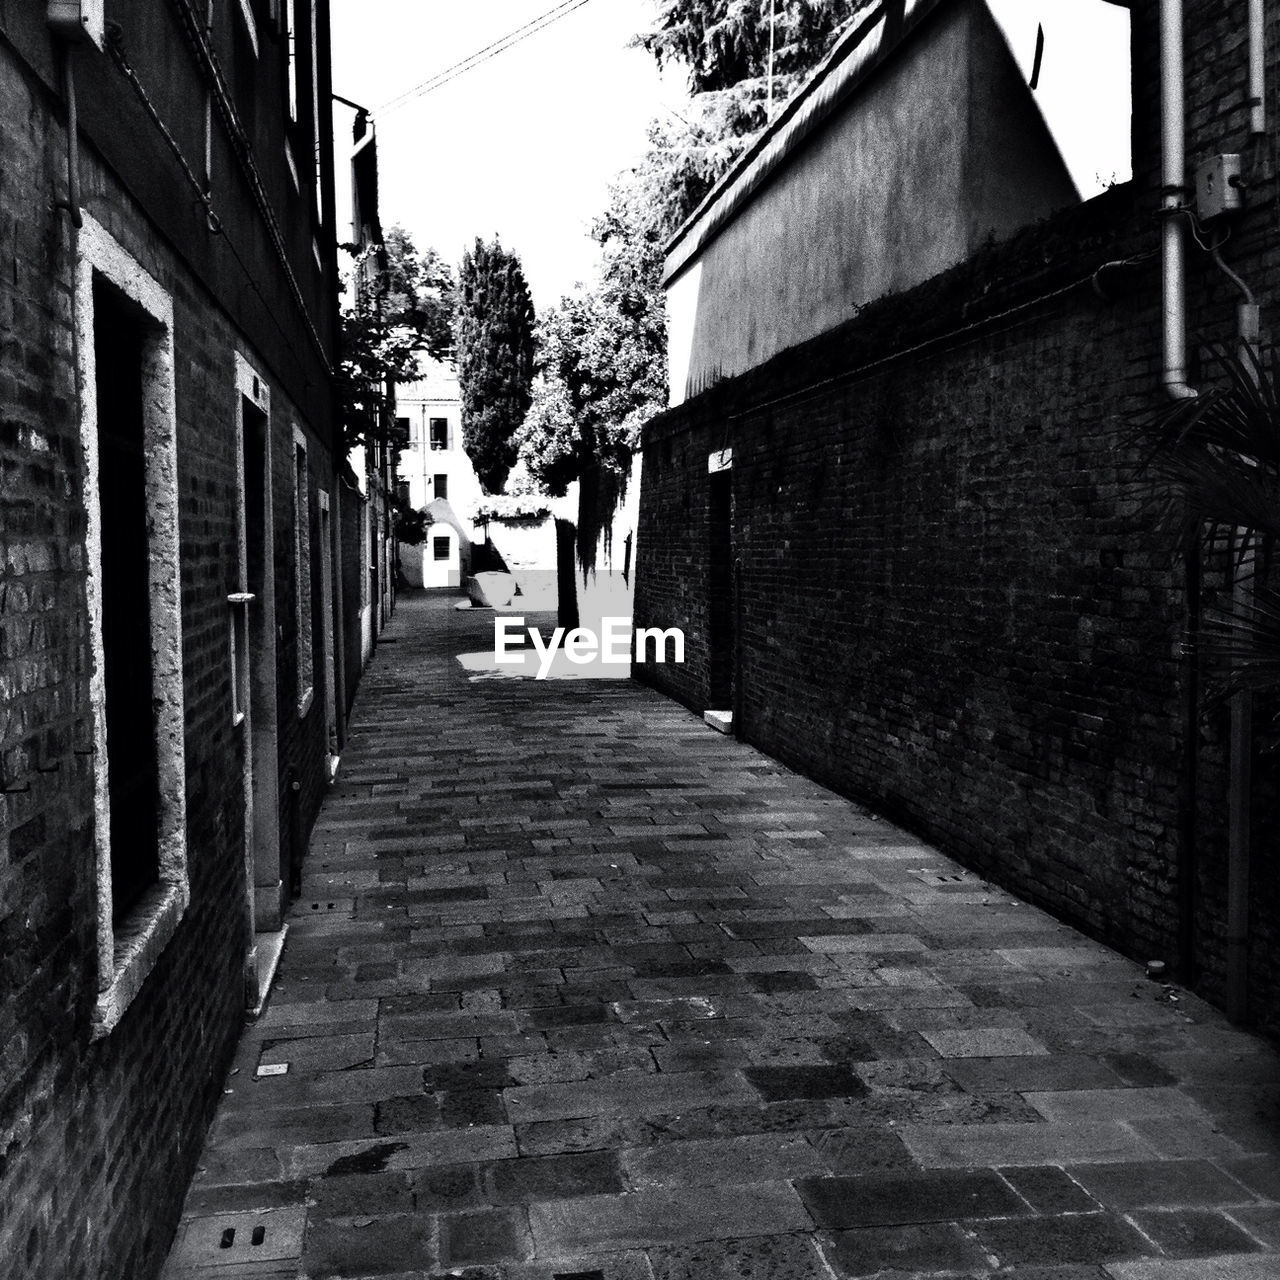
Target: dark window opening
{"points": [[442, 486], [439, 433], [440, 548], [720, 596], [133, 776]]}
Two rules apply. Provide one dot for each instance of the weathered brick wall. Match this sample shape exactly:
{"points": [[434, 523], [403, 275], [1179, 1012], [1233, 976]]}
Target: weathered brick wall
{"points": [[951, 602], [98, 1137]]}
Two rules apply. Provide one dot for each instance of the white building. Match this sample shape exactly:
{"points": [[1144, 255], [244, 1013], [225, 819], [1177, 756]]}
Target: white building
{"points": [[436, 476]]}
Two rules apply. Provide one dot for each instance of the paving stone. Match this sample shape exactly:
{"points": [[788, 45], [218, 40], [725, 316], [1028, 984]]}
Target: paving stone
{"points": [[686, 1216], [407, 1115], [930, 1247], [865, 1149], [898, 1199], [1193, 1233], [776, 1084], [374, 1246], [626, 1265], [448, 1187], [1261, 1174], [1161, 1183], [1050, 1190], [488, 1235], [357, 1195], [1262, 1222], [985, 1042], [750, 1158], [553, 1177], [620, 1095], [1000, 1144], [1079, 1237], [757, 1258], [1231, 1267]]}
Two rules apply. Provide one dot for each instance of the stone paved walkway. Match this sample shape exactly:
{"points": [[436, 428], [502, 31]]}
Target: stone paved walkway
{"points": [[580, 989]]}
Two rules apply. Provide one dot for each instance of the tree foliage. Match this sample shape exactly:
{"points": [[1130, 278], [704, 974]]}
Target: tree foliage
{"points": [[602, 352], [1215, 463], [724, 47], [401, 308], [495, 346]]}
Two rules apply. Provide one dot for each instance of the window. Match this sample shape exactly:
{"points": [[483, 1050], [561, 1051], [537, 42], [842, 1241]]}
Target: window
{"points": [[440, 547], [439, 433], [124, 330], [441, 485], [302, 571]]}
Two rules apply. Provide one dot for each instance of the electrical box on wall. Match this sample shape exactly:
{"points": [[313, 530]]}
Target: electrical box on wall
{"points": [[1218, 186], [78, 20]]}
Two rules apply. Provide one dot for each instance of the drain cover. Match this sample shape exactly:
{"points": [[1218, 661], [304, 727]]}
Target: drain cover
{"points": [[236, 1238]]}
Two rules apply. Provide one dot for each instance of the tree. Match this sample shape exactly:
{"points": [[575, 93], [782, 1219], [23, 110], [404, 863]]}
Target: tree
{"points": [[494, 338], [402, 308], [724, 45]]}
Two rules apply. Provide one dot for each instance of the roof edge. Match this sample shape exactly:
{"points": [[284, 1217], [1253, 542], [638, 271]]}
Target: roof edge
{"points": [[836, 78]]}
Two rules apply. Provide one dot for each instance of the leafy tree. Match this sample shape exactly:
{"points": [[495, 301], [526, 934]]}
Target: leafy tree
{"points": [[602, 352], [401, 308], [494, 336]]}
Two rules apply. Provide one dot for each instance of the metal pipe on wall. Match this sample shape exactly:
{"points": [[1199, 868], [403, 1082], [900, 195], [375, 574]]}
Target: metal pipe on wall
{"points": [[1172, 193], [1257, 68]]}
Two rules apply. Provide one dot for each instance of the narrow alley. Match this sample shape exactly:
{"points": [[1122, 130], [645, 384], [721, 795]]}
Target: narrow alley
{"points": [[578, 989]]}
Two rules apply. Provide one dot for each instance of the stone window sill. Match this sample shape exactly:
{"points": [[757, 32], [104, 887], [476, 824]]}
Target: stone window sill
{"points": [[139, 940]]}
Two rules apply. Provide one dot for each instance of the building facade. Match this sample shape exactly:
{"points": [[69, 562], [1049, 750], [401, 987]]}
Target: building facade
{"points": [[172, 683], [437, 477], [900, 523]]}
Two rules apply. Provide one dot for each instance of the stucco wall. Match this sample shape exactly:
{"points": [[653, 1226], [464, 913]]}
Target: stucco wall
{"points": [[941, 148]]}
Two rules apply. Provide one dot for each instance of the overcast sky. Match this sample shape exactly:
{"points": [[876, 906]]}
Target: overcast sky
{"points": [[526, 143]]}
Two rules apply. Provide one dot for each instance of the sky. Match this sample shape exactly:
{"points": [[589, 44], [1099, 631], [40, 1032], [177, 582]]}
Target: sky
{"points": [[524, 146]]}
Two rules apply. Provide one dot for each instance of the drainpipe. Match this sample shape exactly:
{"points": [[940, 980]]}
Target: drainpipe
{"points": [[1172, 193], [1257, 70]]}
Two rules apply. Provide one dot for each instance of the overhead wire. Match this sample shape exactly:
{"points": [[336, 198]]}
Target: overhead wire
{"points": [[501, 45]]}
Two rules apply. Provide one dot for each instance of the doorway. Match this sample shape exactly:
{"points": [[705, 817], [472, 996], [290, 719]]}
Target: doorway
{"points": [[722, 676], [257, 667]]}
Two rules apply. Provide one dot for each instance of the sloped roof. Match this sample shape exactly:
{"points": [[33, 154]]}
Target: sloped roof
{"points": [[851, 63], [855, 56]]}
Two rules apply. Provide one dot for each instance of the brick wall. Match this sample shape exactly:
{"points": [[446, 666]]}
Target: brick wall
{"points": [[952, 604], [98, 1137]]}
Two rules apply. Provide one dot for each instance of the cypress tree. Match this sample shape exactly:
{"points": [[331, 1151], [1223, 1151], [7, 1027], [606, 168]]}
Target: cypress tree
{"points": [[494, 343]]}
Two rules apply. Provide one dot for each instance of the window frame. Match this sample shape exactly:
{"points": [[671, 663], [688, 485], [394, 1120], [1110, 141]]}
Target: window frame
{"points": [[127, 950]]}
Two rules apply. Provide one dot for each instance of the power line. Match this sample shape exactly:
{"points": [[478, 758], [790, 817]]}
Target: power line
{"points": [[501, 45]]}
